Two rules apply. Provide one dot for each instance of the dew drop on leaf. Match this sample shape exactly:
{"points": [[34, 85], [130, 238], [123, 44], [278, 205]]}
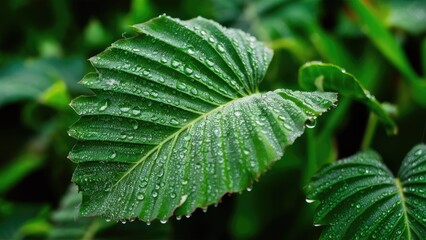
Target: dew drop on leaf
{"points": [[140, 196], [173, 121], [124, 109], [103, 105], [154, 194], [188, 70], [311, 123], [175, 63], [136, 111]]}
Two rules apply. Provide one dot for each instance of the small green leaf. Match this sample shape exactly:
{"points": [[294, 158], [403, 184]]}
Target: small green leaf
{"points": [[329, 77], [361, 199], [177, 120]]}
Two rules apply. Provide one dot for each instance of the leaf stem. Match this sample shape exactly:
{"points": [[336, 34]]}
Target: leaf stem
{"points": [[369, 131], [312, 164]]}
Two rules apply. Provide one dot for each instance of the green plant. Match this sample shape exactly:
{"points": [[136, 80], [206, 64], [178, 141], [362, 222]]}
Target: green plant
{"points": [[369, 48], [178, 121]]}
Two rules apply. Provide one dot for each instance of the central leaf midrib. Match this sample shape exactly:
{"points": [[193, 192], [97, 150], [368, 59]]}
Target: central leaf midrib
{"points": [[185, 127], [404, 207]]}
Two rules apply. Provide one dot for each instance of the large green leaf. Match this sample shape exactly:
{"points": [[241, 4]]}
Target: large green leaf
{"points": [[361, 199], [177, 120], [329, 77]]}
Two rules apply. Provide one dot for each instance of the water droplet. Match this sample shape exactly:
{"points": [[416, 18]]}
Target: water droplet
{"points": [[140, 196], [163, 59], [154, 194], [134, 123], [188, 70], [181, 86], [237, 113], [107, 220], [204, 209], [144, 183], [163, 221], [146, 72], [418, 152], [191, 51], [136, 111], [113, 155], [136, 50], [310, 123], [154, 118], [124, 108], [209, 62], [358, 206], [288, 127], [103, 105], [173, 195], [184, 182], [123, 221], [220, 48], [203, 32], [334, 105], [154, 94], [309, 200], [211, 39], [178, 218], [194, 91], [148, 223], [173, 121], [175, 63], [249, 189]]}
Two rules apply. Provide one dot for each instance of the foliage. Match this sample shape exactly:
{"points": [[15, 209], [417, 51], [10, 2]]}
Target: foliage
{"points": [[177, 131], [44, 44], [360, 197]]}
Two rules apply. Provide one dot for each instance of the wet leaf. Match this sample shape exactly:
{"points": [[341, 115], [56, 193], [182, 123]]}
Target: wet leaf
{"points": [[329, 77], [177, 120], [361, 199]]}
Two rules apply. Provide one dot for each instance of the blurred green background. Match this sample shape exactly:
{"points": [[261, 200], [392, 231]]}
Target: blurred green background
{"points": [[44, 45]]}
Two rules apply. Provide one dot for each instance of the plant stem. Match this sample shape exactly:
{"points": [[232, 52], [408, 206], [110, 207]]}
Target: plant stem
{"points": [[369, 131], [311, 166]]}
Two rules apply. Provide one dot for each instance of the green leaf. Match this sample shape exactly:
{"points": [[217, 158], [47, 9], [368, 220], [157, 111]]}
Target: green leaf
{"points": [[407, 15], [68, 225], [329, 77], [389, 47], [37, 80], [177, 120], [383, 39], [361, 199]]}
